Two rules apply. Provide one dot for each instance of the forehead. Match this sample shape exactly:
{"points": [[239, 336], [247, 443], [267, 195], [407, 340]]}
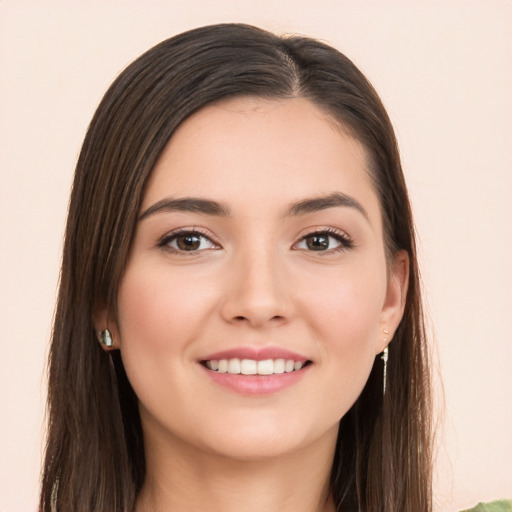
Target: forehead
{"points": [[256, 151]]}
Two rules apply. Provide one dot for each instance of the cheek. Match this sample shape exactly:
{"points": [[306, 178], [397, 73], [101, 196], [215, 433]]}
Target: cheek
{"points": [[160, 315], [344, 315], [346, 308], [159, 308]]}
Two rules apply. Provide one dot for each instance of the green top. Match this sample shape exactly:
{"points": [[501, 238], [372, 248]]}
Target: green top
{"points": [[495, 506]]}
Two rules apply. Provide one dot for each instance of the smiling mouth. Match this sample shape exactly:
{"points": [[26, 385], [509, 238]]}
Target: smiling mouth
{"points": [[237, 366]]}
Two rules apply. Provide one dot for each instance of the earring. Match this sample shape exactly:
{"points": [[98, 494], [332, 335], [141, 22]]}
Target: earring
{"points": [[385, 357], [106, 338]]}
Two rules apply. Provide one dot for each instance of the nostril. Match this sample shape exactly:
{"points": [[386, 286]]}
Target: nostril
{"points": [[241, 318]]}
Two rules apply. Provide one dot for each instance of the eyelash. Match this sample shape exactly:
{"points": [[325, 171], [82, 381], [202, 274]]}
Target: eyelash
{"points": [[344, 240]]}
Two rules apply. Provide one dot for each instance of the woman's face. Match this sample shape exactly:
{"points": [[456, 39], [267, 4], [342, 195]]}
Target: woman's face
{"points": [[259, 249]]}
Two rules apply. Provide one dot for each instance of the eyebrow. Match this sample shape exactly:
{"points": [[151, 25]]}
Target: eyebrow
{"points": [[210, 207], [315, 204], [187, 204]]}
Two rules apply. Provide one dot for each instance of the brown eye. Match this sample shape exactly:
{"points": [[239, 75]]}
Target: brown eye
{"points": [[317, 242], [325, 241], [187, 241]]}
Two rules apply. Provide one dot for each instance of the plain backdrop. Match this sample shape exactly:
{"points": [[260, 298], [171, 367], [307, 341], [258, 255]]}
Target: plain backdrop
{"points": [[444, 71]]}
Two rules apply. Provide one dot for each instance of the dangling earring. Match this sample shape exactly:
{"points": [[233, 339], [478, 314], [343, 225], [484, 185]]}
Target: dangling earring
{"points": [[385, 357], [106, 338]]}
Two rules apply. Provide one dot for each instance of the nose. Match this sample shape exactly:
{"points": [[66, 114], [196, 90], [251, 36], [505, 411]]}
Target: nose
{"points": [[256, 292]]}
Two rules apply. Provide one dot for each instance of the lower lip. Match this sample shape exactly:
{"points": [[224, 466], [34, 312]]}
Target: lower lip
{"points": [[257, 384]]}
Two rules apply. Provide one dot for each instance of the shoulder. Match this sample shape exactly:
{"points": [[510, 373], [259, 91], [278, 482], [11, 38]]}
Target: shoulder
{"points": [[495, 506]]}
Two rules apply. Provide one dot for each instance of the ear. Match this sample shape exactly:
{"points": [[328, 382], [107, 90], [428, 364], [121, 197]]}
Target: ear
{"points": [[396, 296], [102, 321]]}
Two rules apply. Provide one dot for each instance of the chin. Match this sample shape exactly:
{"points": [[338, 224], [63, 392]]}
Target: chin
{"points": [[260, 441], [255, 448]]}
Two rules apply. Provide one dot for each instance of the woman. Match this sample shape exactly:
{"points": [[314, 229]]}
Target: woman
{"points": [[240, 243]]}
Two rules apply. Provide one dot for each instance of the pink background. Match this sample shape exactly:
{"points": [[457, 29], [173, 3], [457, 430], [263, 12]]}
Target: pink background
{"points": [[444, 71]]}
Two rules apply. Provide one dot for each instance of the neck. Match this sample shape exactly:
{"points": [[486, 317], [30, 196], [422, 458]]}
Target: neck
{"points": [[185, 479]]}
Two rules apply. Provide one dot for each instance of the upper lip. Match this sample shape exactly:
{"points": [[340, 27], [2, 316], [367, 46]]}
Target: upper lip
{"points": [[256, 353]]}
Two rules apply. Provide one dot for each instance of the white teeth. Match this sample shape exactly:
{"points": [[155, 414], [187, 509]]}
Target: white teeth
{"points": [[279, 366], [248, 367], [253, 367], [266, 367], [234, 366]]}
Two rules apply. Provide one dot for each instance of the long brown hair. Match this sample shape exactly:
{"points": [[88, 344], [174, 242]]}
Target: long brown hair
{"points": [[95, 452]]}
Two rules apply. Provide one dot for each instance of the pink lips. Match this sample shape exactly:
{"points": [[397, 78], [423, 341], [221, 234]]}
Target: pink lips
{"points": [[256, 385], [258, 354]]}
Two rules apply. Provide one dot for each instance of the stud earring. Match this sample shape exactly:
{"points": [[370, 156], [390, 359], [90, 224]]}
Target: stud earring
{"points": [[106, 338]]}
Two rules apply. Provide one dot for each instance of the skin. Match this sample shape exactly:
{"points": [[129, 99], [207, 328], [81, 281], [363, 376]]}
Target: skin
{"points": [[253, 281]]}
